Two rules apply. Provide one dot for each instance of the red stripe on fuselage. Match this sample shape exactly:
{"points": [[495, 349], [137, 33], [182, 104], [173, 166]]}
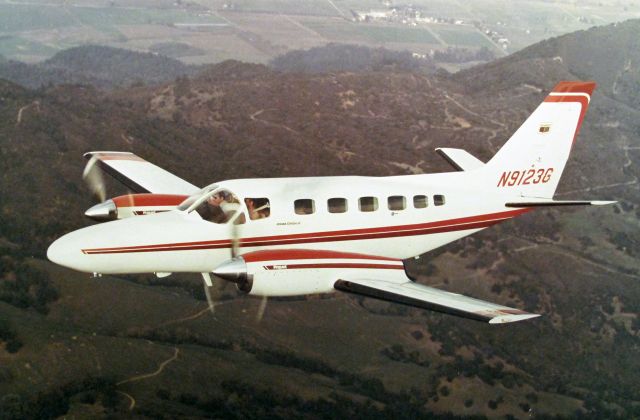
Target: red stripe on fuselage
{"points": [[464, 223], [334, 265], [307, 254]]}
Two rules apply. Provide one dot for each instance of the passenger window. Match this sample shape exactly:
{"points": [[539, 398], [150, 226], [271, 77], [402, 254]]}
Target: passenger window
{"points": [[396, 202], [304, 206], [258, 208], [368, 203], [337, 205], [420, 201], [438, 200]]}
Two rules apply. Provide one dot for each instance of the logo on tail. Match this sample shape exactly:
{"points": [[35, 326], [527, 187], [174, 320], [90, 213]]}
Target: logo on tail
{"points": [[532, 160]]}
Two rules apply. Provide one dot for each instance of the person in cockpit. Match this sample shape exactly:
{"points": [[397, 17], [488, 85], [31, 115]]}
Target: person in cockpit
{"points": [[219, 207]]}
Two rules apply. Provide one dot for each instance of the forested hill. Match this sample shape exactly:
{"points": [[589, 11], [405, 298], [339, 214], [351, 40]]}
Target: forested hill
{"points": [[99, 66], [109, 68], [608, 54]]}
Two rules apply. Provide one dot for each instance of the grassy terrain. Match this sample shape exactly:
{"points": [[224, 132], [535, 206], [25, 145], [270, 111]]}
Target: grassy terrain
{"points": [[45, 29], [462, 35], [26, 17], [11, 46]]}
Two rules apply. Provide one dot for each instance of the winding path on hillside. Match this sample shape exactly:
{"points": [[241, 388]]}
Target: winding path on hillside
{"points": [[24, 108], [132, 401], [254, 117], [156, 373]]}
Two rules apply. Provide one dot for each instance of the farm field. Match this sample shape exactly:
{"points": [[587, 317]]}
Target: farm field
{"points": [[34, 32], [373, 34], [525, 22], [462, 35], [259, 30]]}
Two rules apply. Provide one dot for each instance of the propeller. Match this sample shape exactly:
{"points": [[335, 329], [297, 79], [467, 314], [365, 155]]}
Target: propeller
{"points": [[92, 175], [235, 244], [104, 210], [261, 309], [236, 219], [208, 284], [235, 236]]}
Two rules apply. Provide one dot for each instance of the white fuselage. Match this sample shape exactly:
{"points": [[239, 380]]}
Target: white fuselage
{"points": [[178, 241]]}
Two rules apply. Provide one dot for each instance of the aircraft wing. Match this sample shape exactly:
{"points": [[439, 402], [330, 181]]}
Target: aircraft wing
{"points": [[367, 275], [421, 296], [139, 175]]}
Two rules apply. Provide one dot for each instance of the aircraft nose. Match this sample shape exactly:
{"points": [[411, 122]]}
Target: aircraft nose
{"points": [[64, 251], [112, 247]]}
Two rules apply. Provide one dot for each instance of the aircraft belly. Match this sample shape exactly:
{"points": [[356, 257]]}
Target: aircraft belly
{"points": [[193, 261]]}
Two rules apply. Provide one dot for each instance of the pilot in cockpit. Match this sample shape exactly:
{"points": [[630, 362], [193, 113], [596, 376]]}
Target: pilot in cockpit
{"points": [[219, 207]]}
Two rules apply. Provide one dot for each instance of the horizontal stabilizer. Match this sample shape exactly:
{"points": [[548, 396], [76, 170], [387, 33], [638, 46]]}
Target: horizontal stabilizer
{"points": [[425, 297], [460, 159], [551, 203]]}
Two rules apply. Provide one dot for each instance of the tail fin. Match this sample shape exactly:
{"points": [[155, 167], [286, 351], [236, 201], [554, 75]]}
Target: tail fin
{"points": [[532, 160]]}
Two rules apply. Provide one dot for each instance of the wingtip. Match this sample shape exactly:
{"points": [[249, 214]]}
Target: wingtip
{"points": [[602, 203], [89, 155], [503, 319]]}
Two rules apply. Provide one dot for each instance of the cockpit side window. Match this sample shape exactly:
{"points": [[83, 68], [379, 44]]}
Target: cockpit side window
{"points": [[220, 207], [259, 208]]}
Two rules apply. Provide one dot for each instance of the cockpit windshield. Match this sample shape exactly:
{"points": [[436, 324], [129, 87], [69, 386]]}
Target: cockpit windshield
{"points": [[215, 204], [219, 205], [195, 196]]}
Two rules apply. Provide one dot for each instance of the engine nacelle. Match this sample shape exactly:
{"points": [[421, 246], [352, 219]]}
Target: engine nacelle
{"points": [[133, 205], [302, 272]]}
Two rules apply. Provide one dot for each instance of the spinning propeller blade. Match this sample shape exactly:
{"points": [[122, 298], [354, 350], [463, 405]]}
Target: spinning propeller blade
{"points": [[235, 238], [92, 175], [261, 308], [206, 278], [235, 220]]}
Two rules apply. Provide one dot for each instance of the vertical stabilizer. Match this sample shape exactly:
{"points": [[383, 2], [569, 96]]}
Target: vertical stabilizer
{"points": [[532, 160]]}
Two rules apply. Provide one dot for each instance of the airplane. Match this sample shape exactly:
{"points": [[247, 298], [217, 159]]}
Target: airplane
{"points": [[302, 236]]}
